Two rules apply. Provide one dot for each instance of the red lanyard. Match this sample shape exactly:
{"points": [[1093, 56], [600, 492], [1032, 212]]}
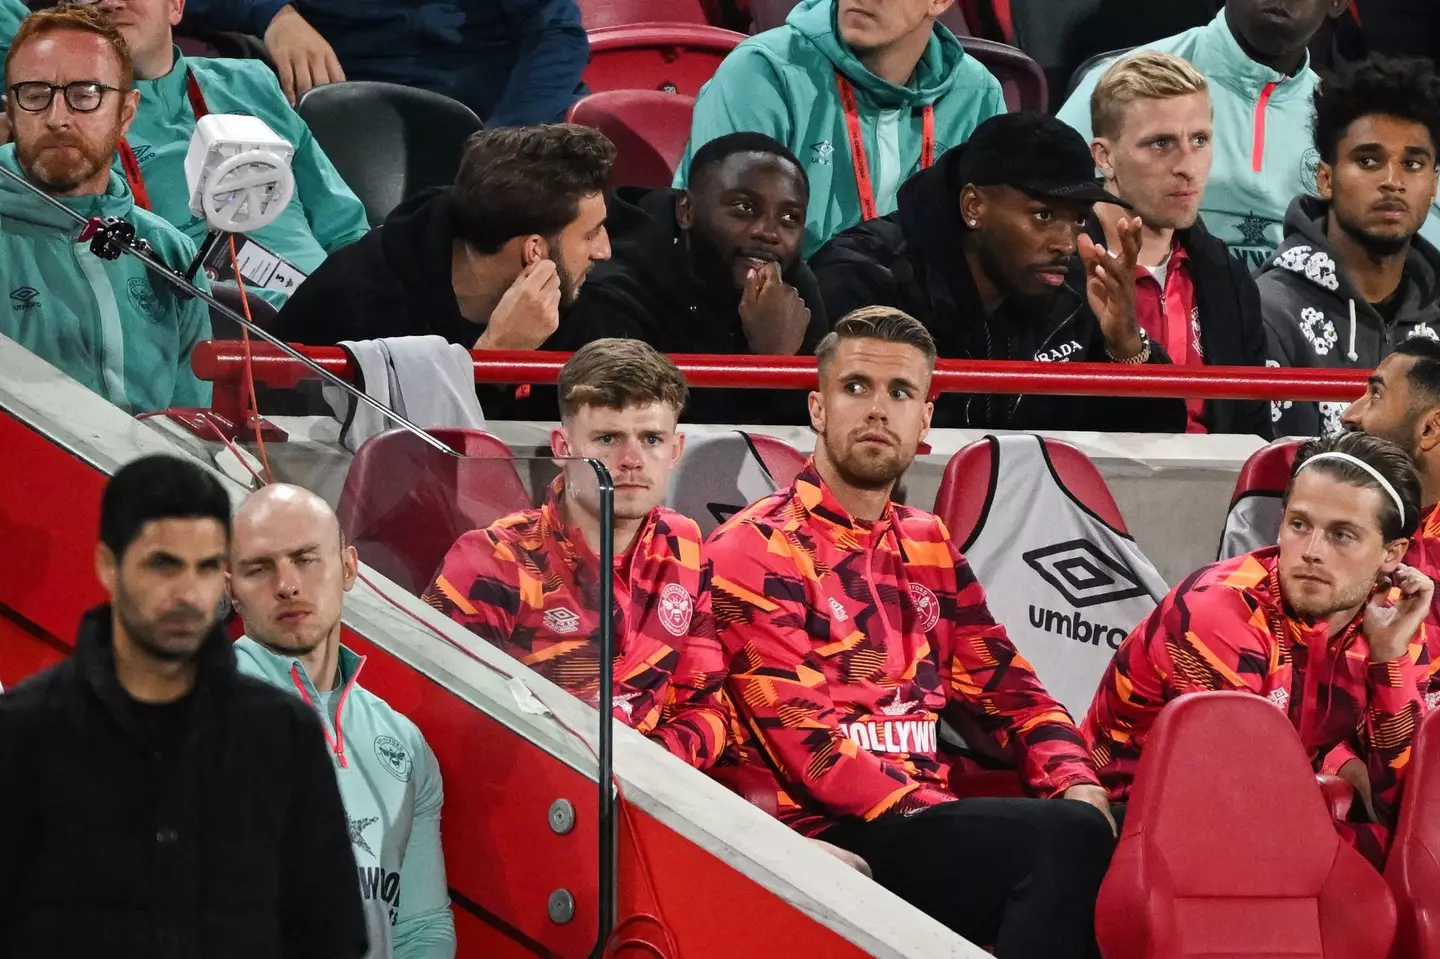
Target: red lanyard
{"points": [[864, 183], [127, 155]]}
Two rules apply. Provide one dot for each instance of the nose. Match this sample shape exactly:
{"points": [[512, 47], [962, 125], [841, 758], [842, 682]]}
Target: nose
{"points": [[630, 457], [1350, 419], [287, 581], [1312, 552], [108, 6], [1394, 177], [766, 230], [601, 250]]}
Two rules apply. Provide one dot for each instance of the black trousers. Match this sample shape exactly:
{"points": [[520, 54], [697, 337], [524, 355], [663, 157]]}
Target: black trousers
{"points": [[1021, 874]]}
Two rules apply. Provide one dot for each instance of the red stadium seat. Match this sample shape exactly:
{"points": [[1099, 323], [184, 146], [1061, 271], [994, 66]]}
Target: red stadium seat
{"points": [[596, 14], [1020, 77], [405, 502], [673, 57], [1413, 868], [649, 130], [782, 460], [1229, 850], [1254, 517]]}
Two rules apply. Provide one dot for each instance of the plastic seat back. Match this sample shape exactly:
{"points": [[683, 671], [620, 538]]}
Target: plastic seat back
{"points": [[1229, 850], [597, 14], [1413, 868], [648, 127], [1021, 78], [722, 473], [1254, 517], [405, 502], [388, 141], [670, 57], [1043, 535], [782, 460]]}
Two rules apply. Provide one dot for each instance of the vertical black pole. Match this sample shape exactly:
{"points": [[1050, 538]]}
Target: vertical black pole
{"points": [[606, 919]]}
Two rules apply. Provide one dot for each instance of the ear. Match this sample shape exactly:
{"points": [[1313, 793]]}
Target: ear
{"points": [[817, 412], [107, 570], [129, 104], [1394, 553], [925, 421], [560, 441], [972, 206], [350, 563], [1427, 436], [1338, 8], [938, 7], [684, 210], [1100, 152], [533, 249], [1324, 181], [678, 451], [177, 12]]}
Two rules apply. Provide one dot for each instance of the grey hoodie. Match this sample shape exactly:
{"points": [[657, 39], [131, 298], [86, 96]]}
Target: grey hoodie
{"points": [[1315, 318]]}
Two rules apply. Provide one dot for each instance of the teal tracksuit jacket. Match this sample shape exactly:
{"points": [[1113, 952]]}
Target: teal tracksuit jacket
{"points": [[390, 783], [783, 83], [111, 325]]}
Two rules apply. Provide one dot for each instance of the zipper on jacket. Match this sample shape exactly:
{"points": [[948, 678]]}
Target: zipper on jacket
{"points": [[336, 742], [1257, 156]]}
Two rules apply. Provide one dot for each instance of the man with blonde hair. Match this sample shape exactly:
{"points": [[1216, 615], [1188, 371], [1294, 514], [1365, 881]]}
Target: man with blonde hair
{"points": [[1152, 118]]}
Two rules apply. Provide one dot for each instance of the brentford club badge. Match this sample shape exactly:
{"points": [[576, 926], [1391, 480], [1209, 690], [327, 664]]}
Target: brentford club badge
{"points": [[927, 607], [676, 607]]}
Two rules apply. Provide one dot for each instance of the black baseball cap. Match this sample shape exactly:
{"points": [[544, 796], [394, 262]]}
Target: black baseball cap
{"points": [[1032, 152]]}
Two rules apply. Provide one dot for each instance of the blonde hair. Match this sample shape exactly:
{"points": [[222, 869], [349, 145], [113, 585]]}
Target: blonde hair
{"points": [[883, 323], [1148, 75]]}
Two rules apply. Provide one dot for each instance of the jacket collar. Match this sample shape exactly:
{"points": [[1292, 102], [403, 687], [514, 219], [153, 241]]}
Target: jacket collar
{"points": [[95, 663], [287, 671], [570, 542], [168, 91], [830, 518], [1220, 57], [1261, 575]]}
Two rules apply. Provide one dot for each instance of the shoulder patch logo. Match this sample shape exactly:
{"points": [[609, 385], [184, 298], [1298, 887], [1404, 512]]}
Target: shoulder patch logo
{"points": [[1318, 329], [561, 620], [676, 608], [822, 153], [25, 298], [1281, 699], [394, 758], [927, 607], [142, 296]]}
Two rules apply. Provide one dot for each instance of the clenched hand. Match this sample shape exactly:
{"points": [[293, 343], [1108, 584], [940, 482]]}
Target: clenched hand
{"points": [[772, 314]]}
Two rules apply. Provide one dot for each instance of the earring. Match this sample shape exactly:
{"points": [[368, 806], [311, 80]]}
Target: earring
{"points": [[970, 222]]}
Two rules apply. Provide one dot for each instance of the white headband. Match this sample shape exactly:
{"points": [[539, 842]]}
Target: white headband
{"points": [[1384, 483]]}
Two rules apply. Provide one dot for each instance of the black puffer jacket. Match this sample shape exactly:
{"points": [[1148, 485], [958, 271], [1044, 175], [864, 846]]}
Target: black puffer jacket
{"points": [[229, 840], [912, 260]]}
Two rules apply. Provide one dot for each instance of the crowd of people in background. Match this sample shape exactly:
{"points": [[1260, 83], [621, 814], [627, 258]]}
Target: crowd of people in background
{"points": [[854, 189]]}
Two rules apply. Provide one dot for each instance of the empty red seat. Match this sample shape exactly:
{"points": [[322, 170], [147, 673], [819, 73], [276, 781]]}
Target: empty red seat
{"points": [[1228, 848], [1413, 868], [649, 129], [1254, 517], [596, 14], [405, 502], [781, 460], [673, 57], [1021, 78]]}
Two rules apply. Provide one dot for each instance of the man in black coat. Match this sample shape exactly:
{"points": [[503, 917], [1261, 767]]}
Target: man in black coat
{"points": [[987, 250], [713, 268], [1153, 124], [156, 804]]}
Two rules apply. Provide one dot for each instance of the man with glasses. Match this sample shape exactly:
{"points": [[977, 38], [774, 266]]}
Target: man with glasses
{"points": [[110, 324]]}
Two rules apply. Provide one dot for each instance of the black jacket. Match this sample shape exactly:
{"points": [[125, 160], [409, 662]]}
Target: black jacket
{"points": [[1232, 330], [912, 260], [229, 841], [395, 281], [647, 291]]}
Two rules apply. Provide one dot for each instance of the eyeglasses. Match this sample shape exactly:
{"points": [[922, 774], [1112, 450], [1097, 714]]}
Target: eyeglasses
{"points": [[81, 96]]}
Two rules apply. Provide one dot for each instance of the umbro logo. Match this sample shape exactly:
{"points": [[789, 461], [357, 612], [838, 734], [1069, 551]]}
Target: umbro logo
{"points": [[561, 620], [838, 610], [142, 152], [25, 298], [1083, 574]]}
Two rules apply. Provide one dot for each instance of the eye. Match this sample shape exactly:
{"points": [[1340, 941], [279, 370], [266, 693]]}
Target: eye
{"points": [[606, 440], [1344, 535], [1202, 140], [652, 440], [1160, 145], [854, 388], [1043, 216], [1367, 163], [899, 393], [743, 206], [1297, 525], [1414, 166]]}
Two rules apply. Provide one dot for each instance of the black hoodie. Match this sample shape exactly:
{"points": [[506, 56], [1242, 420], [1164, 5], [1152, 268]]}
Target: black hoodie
{"points": [[648, 291], [395, 281], [912, 260], [1231, 330], [1314, 317]]}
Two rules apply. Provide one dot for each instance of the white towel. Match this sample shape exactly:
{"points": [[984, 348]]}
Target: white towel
{"points": [[425, 379]]}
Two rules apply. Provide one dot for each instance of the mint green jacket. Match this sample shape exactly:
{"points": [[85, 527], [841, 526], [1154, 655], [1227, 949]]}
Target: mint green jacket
{"points": [[783, 83], [324, 214], [1264, 147], [111, 325], [390, 783]]}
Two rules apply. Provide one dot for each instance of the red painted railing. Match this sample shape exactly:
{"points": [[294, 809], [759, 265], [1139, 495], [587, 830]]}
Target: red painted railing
{"points": [[223, 362]]}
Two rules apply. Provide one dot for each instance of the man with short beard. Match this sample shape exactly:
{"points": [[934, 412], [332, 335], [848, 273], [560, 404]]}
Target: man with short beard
{"points": [[988, 251], [850, 624], [289, 572], [1328, 625], [157, 803], [1354, 277], [110, 324]]}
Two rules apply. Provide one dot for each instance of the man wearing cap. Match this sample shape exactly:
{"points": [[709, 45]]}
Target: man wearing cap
{"points": [[1328, 625], [988, 250]]}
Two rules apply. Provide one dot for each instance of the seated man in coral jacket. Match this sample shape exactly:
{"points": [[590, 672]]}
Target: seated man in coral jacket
{"points": [[1327, 625], [850, 624], [529, 583]]}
